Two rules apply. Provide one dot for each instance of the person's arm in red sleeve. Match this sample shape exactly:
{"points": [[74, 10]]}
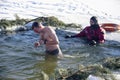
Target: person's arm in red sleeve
{"points": [[81, 34], [101, 36]]}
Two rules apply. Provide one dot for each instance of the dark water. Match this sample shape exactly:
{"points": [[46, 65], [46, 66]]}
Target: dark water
{"points": [[19, 60]]}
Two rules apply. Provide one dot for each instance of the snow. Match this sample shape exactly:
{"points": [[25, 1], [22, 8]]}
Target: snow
{"points": [[69, 11], [110, 7]]}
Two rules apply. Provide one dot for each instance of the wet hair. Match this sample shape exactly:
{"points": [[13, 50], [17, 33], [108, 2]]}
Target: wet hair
{"points": [[94, 18], [35, 24]]}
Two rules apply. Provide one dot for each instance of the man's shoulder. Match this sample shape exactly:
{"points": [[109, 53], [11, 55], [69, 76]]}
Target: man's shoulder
{"points": [[49, 29]]}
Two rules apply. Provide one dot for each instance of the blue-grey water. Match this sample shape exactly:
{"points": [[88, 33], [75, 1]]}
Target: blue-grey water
{"points": [[19, 60]]}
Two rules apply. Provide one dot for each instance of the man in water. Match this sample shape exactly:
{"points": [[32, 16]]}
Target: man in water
{"points": [[94, 34], [49, 38]]}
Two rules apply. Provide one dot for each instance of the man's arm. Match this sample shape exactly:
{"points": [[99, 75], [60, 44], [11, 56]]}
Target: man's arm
{"points": [[40, 42]]}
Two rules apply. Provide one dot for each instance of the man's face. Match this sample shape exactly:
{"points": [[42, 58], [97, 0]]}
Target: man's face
{"points": [[36, 29]]}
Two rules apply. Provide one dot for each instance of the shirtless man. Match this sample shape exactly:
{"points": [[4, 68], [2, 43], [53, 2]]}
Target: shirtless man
{"points": [[49, 38]]}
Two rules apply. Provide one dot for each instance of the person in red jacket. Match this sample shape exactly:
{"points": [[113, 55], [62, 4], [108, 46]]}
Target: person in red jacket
{"points": [[94, 34]]}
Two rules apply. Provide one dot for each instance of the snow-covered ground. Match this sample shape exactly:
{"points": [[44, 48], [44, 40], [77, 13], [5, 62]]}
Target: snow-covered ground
{"points": [[76, 11], [69, 11]]}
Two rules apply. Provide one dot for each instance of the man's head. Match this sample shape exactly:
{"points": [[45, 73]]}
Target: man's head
{"points": [[93, 20], [37, 27]]}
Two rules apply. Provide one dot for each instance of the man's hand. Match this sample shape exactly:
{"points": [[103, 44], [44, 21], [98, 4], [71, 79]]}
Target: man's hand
{"points": [[36, 44]]}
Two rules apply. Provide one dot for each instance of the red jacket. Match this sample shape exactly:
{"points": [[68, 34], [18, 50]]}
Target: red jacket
{"points": [[92, 34]]}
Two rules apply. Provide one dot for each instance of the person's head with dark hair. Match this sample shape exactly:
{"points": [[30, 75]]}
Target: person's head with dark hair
{"points": [[35, 24], [94, 22], [37, 27], [94, 19]]}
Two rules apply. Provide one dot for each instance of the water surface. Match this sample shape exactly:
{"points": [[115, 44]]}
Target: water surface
{"points": [[19, 60]]}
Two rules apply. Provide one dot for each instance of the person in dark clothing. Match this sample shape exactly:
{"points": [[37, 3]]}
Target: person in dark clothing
{"points": [[94, 34]]}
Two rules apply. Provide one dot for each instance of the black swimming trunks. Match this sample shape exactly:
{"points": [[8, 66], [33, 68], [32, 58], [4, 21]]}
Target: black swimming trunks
{"points": [[53, 52]]}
